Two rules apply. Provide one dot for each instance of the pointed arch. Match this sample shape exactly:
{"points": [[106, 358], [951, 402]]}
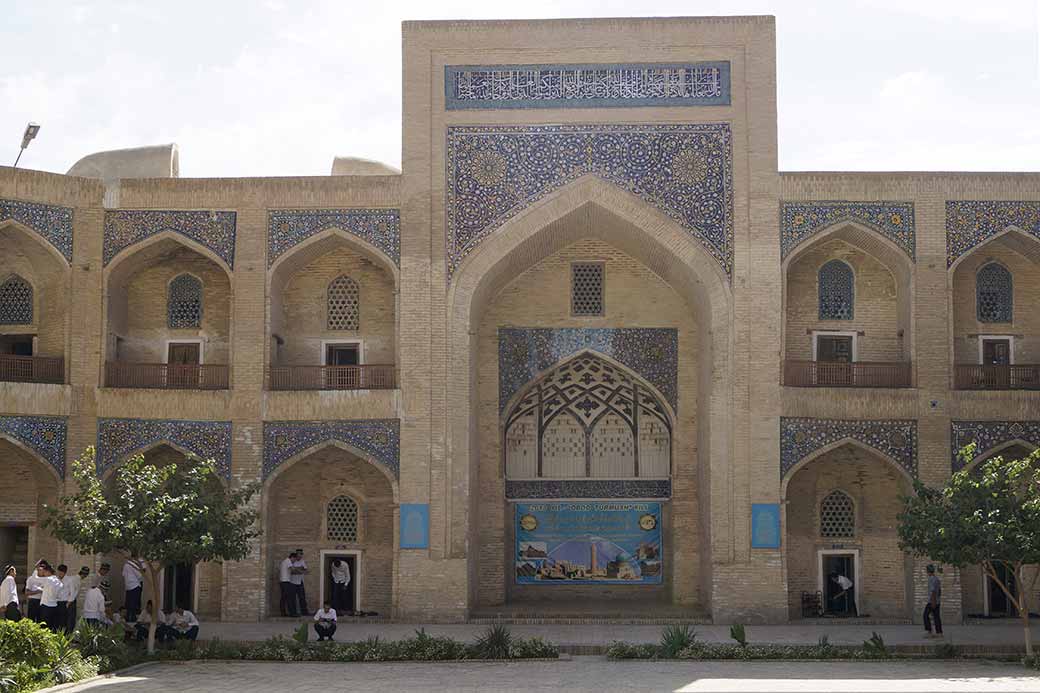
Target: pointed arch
{"points": [[138, 254], [1011, 237], [306, 251], [330, 443], [35, 237], [34, 455], [842, 442]]}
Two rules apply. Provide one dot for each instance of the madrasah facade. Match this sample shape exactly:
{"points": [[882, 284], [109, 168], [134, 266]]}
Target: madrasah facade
{"points": [[589, 351]]}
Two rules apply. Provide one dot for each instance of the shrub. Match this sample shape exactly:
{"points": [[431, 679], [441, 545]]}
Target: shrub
{"points": [[493, 643], [875, 647], [28, 642], [624, 650], [533, 648], [32, 657], [946, 651], [106, 644], [300, 634], [736, 631], [675, 639]]}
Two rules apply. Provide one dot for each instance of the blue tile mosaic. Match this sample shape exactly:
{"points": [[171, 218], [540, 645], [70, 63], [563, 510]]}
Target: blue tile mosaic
{"points": [[588, 488], [800, 220], [651, 352], [987, 435], [45, 435], [972, 222], [586, 86], [494, 172], [213, 230], [53, 224], [895, 438], [118, 439], [378, 438], [380, 227]]}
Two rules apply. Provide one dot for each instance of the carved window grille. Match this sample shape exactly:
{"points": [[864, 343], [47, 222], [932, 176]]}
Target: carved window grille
{"points": [[587, 288], [994, 295], [588, 419], [837, 291], [16, 302], [344, 304], [837, 516], [342, 520], [184, 302]]}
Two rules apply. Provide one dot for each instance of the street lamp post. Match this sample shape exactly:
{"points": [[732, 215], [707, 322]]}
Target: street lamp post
{"points": [[30, 133]]}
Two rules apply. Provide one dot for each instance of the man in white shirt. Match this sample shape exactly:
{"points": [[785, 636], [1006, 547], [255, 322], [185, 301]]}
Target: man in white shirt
{"points": [[340, 581], [9, 595], [287, 605], [72, 586], [299, 570], [132, 584], [185, 625], [325, 622], [94, 605], [61, 614], [33, 589], [50, 593], [846, 592]]}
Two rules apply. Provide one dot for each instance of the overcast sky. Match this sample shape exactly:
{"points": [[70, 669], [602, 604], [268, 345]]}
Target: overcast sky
{"points": [[280, 87]]}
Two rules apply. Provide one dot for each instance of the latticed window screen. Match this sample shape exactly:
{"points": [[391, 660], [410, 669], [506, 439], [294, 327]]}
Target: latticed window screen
{"points": [[342, 519], [837, 291], [16, 302], [994, 297], [184, 302], [837, 516], [587, 288], [344, 299]]}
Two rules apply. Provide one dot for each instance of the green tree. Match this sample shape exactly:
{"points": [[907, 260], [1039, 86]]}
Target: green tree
{"points": [[176, 513], [989, 516]]}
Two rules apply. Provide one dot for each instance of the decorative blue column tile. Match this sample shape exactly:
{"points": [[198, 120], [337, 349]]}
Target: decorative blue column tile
{"points": [[588, 488], [44, 435], [52, 223], [765, 526], [972, 222], [287, 227], [586, 86], [987, 435], [651, 352], [800, 220], [894, 438], [214, 230], [378, 438], [118, 439], [494, 172], [415, 526]]}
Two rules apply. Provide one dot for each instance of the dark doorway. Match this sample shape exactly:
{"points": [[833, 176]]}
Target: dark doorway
{"points": [[342, 375], [342, 355], [999, 604], [838, 601], [179, 586], [833, 356], [350, 601], [183, 353], [16, 345], [14, 550], [996, 352]]}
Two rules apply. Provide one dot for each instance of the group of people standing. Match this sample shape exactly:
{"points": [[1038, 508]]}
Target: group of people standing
{"points": [[293, 603], [51, 595]]}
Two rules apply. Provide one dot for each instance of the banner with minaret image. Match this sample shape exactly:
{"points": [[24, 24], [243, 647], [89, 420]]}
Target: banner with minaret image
{"points": [[589, 543]]}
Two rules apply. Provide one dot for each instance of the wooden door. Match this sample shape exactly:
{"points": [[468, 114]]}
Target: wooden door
{"points": [[996, 362], [182, 360], [833, 356], [341, 357]]}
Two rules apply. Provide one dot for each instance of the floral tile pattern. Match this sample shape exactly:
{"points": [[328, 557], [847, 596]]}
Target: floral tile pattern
{"points": [[118, 439], [651, 352], [214, 230], [895, 438], [800, 220], [972, 222], [987, 435], [630, 489], [685, 171], [52, 223], [378, 438], [287, 227], [45, 435]]}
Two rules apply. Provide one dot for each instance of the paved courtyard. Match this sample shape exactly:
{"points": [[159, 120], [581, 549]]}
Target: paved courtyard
{"points": [[578, 674]]}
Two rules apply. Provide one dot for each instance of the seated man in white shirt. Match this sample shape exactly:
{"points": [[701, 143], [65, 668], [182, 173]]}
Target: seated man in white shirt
{"points": [[325, 622], [94, 605], [185, 625]]}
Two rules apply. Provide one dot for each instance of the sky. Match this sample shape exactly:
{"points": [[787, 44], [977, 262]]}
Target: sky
{"points": [[280, 87]]}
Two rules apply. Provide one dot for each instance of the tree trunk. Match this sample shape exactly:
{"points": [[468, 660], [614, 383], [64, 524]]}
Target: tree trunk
{"points": [[1023, 608], [153, 583]]}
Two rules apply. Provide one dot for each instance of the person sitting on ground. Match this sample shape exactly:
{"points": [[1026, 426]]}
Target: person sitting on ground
{"points": [[121, 619], [144, 621], [185, 625], [325, 622], [9, 595], [94, 605]]}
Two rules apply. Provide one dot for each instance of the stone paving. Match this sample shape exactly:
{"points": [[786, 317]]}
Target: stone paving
{"points": [[578, 674]]}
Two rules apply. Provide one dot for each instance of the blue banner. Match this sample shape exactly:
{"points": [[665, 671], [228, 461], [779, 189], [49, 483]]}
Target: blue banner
{"points": [[589, 543]]}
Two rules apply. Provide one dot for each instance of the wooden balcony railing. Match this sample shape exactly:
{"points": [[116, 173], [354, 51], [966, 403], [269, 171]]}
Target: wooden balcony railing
{"points": [[31, 369], [859, 374], [166, 376], [989, 377], [367, 377]]}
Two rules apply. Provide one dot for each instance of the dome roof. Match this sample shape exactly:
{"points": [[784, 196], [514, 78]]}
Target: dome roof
{"points": [[356, 166], [157, 161]]}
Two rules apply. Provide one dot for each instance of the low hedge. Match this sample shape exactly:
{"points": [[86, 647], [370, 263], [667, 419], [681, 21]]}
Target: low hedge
{"points": [[707, 650], [32, 657]]}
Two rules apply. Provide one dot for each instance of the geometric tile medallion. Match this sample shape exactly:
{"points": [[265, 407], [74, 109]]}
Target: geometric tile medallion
{"points": [[378, 439], [44, 435], [651, 352], [800, 220], [495, 172], [987, 435], [118, 439], [588, 488], [53, 224], [380, 227], [971, 222], [214, 230], [586, 86], [894, 438]]}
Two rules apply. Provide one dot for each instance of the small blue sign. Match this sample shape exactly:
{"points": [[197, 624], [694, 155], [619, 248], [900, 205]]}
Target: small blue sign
{"points": [[415, 526], [765, 526]]}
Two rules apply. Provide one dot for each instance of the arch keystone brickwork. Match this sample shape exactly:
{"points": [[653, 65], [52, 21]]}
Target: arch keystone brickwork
{"points": [[118, 439], [380, 439], [43, 435], [801, 220], [50, 222], [213, 230], [896, 439], [288, 227]]}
